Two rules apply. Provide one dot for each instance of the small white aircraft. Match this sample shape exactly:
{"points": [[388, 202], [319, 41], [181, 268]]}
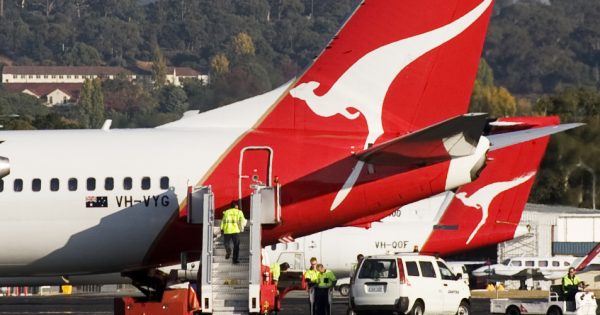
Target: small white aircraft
{"points": [[537, 268]]}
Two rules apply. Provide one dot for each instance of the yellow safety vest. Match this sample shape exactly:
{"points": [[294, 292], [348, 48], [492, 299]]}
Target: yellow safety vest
{"points": [[232, 218], [311, 275], [276, 271], [568, 282], [326, 279]]}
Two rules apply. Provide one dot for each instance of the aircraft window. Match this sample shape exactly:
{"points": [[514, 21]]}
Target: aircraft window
{"points": [[555, 264], [411, 268], [566, 263], [516, 263], [146, 183], [529, 263], [445, 271], [1, 185], [127, 183], [164, 182], [109, 183], [427, 269], [72, 183], [543, 263], [54, 184], [91, 184], [36, 184], [18, 185]]}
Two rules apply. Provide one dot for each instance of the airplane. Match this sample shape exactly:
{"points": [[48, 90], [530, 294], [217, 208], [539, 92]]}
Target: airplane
{"points": [[539, 268], [383, 106], [443, 224]]}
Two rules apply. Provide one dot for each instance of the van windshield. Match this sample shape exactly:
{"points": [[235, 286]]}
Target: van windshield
{"points": [[378, 269]]}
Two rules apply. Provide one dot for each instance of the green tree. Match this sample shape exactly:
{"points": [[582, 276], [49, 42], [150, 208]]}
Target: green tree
{"points": [[97, 110], [172, 99], [83, 55], [159, 68], [85, 103]]}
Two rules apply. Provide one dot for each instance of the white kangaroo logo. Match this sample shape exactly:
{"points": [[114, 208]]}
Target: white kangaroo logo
{"points": [[482, 198], [364, 85]]}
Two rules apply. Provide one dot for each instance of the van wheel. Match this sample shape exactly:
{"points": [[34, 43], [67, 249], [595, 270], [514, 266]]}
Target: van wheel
{"points": [[344, 290], [464, 308], [513, 310], [554, 311], [418, 308]]}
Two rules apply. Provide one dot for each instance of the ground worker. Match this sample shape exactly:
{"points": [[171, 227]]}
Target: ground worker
{"points": [[311, 276], [277, 269], [359, 259], [323, 289], [231, 225], [570, 284]]}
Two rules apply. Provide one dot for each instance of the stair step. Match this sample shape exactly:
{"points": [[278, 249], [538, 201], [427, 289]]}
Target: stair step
{"points": [[231, 302], [230, 310], [221, 259], [237, 290]]}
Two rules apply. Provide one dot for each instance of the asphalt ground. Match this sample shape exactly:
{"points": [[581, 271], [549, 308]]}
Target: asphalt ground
{"points": [[295, 303]]}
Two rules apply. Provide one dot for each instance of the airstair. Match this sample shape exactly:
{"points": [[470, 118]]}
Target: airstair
{"points": [[227, 288]]}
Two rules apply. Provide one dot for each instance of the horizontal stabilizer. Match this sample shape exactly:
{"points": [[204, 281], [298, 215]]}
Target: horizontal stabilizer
{"points": [[452, 138], [502, 140]]}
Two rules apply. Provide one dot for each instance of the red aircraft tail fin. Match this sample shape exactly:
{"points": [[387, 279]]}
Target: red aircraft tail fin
{"points": [[394, 67], [595, 252], [488, 210]]}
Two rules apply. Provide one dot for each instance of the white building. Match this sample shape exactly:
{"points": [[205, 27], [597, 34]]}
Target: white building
{"points": [[60, 74]]}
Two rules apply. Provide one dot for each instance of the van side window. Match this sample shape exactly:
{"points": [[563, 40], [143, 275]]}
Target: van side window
{"points": [[72, 183], [445, 271], [146, 183], [91, 184], [18, 185], [109, 183], [127, 183], [427, 269], [36, 184], [164, 182], [54, 184], [412, 269]]}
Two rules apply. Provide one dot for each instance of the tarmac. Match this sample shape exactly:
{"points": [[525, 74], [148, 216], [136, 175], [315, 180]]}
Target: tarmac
{"points": [[295, 303]]}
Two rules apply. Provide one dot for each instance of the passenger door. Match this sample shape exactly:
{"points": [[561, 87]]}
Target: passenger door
{"points": [[452, 289], [430, 287]]}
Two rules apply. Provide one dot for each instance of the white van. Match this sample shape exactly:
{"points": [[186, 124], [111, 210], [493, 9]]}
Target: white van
{"points": [[408, 283]]}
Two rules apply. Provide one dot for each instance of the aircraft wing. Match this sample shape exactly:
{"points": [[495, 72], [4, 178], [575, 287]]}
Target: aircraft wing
{"points": [[502, 140], [455, 137]]}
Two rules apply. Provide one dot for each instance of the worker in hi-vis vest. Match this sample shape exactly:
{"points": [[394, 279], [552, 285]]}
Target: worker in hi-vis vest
{"points": [[323, 289], [277, 269], [232, 224]]}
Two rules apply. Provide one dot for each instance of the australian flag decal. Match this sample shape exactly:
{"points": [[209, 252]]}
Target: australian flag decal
{"points": [[96, 202]]}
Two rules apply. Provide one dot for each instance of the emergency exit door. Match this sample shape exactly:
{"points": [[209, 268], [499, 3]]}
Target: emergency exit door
{"points": [[255, 169]]}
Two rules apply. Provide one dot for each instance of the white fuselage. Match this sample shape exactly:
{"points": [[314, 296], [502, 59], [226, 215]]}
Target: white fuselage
{"points": [[53, 232]]}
